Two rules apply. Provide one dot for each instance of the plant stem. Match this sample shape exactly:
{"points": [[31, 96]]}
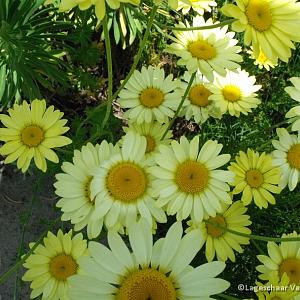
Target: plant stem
{"points": [[109, 71], [134, 65], [25, 223], [4, 276], [254, 236], [162, 26], [256, 245], [180, 104]]}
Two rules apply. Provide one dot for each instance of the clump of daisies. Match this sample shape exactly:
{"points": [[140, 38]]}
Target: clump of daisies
{"points": [[32, 130], [207, 50]]}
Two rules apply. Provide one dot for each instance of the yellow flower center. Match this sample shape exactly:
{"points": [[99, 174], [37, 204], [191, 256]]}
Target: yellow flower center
{"points": [[150, 143], [259, 14], [261, 58], [254, 178], [199, 95], [126, 182], [231, 93], [291, 266], [293, 156], [214, 230], [202, 50], [32, 135], [191, 177], [62, 266], [276, 298], [151, 97], [87, 190], [146, 284]]}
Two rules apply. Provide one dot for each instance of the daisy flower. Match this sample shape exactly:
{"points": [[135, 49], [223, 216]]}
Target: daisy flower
{"points": [[159, 271], [123, 188], [188, 183], [277, 289], [100, 9], [53, 263], [153, 132], [262, 61], [235, 93], [149, 96], [197, 105], [219, 242], [294, 113], [283, 258], [206, 50], [287, 157], [200, 6], [31, 131], [268, 25], [256, 177], [73, 186]]}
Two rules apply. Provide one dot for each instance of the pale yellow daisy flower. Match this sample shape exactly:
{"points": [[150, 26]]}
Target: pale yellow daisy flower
{"points": [[188, 182], [287, 157], [31, 132], [123, 188], [278, 289], [206, 50], [218, 241], [51, 264], [262, 61], [269, 26], [200, 6], [235, 93], [149, 95], [161, 271], [294, 113], [283, 258], [197, 105], [73, 186], [255, 177]]}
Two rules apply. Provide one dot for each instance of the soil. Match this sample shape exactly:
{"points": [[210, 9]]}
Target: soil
{"points": [[16, 192]]}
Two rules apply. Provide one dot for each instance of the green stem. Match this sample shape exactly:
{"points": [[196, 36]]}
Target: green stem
{"points": [[109, 71], [135, 62], [256, 245], [21, 243], [254, 236], [180, 104], [217, 25], [4, 276]]}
